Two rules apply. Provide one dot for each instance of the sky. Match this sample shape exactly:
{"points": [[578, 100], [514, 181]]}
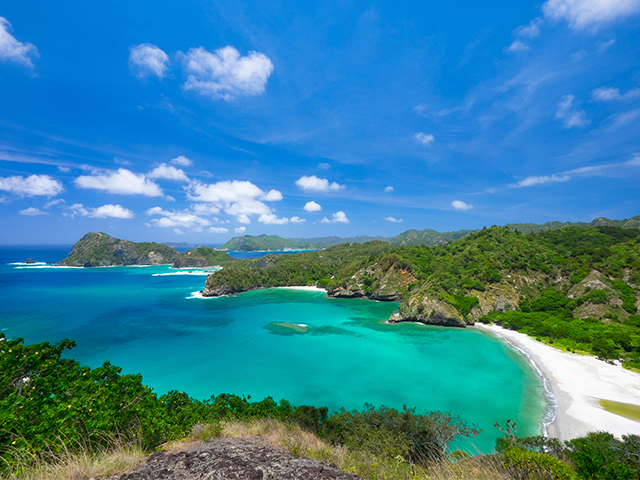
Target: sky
{"points": [[198, 121]]}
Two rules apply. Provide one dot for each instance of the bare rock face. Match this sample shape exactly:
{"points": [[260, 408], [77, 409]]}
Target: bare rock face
{"points": [[376, 283], [227, 459], [430, 310]]}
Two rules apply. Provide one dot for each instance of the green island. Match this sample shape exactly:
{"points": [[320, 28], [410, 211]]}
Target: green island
{"points": [[574, 287]]}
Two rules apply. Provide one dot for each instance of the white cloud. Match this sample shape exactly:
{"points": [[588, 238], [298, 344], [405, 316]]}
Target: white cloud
{"points": [[105, 211], [272, 219], [32, 212], [169, 198], [324, 166], [168, 172], [541, 179], [178, 231], [225, 74], [605, 45], [177, 218], [517, 46], [312, 207], [31, 186], [338, 217], [64, 169], [582, 14], [147, 59], [218, 230], [424, 138], [181, 161], [297, 220], [571, 117], [460, 205], [388, 189], [591, 170], [272, 196], [532, 30], [240, 229], [11, 50], [315, 184], [53, 203], [393, 220], [122, 182], [205, 209], [608, 94], [238, 198]]}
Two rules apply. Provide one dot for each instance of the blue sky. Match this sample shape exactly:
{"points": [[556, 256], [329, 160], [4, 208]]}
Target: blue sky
{"points": [[200, 120]]}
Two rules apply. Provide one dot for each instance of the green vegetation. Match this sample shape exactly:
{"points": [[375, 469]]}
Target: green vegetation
{"points": [[248, 243], [626, 410], [100, 249], [201, 257], [574, 287]]}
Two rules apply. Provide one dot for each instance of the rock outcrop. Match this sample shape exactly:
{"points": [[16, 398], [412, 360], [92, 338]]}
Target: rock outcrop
{"points": [[227, 459]]}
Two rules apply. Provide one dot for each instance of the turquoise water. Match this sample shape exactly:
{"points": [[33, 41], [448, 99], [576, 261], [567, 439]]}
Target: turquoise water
{"points": [[147, 320]]}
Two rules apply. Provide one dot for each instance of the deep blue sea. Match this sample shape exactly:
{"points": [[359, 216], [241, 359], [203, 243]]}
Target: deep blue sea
{"points": [[149, 320]]}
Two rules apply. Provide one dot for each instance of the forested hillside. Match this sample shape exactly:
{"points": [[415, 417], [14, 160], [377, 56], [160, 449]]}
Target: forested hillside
{"points": [[576, 286]]}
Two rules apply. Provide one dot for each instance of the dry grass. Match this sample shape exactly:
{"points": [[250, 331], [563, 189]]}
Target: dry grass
{"points": [[122, 458], [300, 442], [68, 465]]}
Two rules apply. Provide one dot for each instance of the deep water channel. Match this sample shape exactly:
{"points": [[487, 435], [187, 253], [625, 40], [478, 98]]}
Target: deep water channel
{"points": [[291, 344]]}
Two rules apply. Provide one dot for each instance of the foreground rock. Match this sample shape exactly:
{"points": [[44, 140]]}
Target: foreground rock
{"points": [[224, 458]]}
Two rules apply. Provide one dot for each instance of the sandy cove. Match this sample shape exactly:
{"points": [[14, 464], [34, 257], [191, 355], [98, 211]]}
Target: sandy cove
{"points": [[578, 382]]}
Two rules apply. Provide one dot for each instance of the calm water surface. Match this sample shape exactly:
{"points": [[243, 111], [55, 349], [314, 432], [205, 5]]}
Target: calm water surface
{"points": [[147, 320]]}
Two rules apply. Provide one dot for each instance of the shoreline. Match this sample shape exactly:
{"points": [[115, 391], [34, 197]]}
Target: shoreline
{"points": [[577, 383]]}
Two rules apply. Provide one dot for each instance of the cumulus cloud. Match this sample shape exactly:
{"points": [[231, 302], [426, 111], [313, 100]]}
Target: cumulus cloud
{"points": [[105, 211], [32, 212], [460, 205], [177, 218], [225, 74], [424, 138], [272, 219], [338, 217], [11, 50], [297, 220], [516, 47], [388, 189], [205, 209], [168, 172], [582, 14], [178, 231], [53, 203], [312, 207], [570, 116], [608, 94], [238, 198], [31, 186], [147, 59], [393, 220], [315, 184], [240, 229], [181, 161], [218, 230], [123, 182]]}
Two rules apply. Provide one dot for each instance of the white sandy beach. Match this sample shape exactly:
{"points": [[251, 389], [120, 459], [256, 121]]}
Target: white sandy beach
{"points": [[310, 289], [578, 382]]}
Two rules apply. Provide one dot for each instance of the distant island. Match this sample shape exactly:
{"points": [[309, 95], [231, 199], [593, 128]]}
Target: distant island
{"points": [[97, 249], [410, 238]]}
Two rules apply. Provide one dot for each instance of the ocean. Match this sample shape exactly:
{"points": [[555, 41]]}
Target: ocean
{"points": [[150, 320]]}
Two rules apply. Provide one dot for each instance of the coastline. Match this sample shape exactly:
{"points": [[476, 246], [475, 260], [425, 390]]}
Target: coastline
{"points": [[577, 383]]}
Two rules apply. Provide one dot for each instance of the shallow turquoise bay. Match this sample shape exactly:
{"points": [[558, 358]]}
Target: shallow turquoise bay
{"points": [[153, 325]]}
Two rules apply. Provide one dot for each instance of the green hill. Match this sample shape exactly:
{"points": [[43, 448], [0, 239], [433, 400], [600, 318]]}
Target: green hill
{"points": [[202, 257], [100, 250]]}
